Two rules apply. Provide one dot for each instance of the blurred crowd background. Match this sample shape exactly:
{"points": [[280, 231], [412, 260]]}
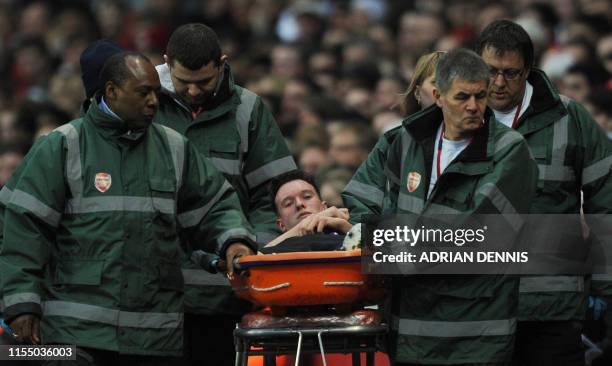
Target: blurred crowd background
{"points": [[332, 71]]}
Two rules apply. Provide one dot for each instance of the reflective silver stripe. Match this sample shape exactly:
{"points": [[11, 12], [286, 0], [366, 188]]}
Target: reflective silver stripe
{"points": [[113, 317], [556, 173], [270, 170], [227, 166], [5, 195], [410, 203], [551, 284], [231, 233], [557, 170], [509, 138], [193, 217], [119, 203], [435, 208], [502, 203], [35, 206], [365, 191], [73, 159], [265, 237], [595, 171], [11, 300], [243, 117], [560, 139], [448, 329], [177, 150], [200, 277], [602, 277]]}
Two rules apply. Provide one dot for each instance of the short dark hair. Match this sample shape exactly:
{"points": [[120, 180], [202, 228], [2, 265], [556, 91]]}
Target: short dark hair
{"points": [[507, 36], [279, 181], [115, 69], [460, 64], [194, 45]]}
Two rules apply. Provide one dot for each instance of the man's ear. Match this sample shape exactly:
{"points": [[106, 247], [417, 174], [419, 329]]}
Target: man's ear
{"points": [[223, 58], [110, 91], [324, 204], [166, 60], [438, 97], [280, 225]]}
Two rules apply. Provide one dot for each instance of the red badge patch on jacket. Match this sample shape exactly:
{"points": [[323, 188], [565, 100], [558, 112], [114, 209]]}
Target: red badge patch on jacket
{"points": [[414, 179], [103, 182]]}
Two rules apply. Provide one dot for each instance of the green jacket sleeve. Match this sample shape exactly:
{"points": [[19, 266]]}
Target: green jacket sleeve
{"points": [[596, 184], [31, 217], [208, 207], [267, 157], [365, 192]]}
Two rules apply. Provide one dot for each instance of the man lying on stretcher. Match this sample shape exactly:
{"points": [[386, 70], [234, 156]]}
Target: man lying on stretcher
{"points": [[301, 214], [303, 217]]}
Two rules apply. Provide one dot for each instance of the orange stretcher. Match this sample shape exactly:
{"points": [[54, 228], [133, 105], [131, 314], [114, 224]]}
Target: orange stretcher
{"points": [[308, 280], [305, 279]]}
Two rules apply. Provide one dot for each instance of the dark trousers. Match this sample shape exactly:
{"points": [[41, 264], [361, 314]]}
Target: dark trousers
{"points": [[209, 339], [95, 357], [549, 343]]}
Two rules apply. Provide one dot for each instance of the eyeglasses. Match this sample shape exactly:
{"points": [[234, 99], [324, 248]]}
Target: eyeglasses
{"points": [[507, 74]]}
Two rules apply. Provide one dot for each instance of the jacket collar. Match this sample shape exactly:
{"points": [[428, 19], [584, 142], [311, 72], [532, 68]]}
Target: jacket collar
{"points": [[545, 95], [424, 125], [225, 93], [109, 125]]}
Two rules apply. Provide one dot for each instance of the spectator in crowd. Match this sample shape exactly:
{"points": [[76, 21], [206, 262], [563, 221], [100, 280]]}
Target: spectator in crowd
{"points": [[236, 131], [91, 61], [312, 157], [111, 150], [350, 145], [598, 104], [419, 94], [521, 96], [10, 157], [604, 54]]}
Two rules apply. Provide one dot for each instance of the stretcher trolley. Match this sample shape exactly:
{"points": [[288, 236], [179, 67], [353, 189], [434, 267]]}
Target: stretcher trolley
{"points": [[309, 303]]}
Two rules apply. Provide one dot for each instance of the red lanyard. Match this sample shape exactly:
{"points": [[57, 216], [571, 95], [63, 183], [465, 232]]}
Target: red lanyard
{"points": [[516, 115]]}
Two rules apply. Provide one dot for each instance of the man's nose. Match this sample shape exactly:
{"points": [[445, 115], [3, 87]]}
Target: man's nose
{"points": [[299, 202], [152, 100], [193, 90], [472, 105], [499, 80]]}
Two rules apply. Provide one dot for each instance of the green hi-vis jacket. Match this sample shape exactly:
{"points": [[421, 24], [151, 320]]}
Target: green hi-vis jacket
{"points": [[572, 154], [91, 233], [457, 319], [239, 136]]}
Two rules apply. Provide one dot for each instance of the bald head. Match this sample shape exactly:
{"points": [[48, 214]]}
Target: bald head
{"points": [[130, 88]]}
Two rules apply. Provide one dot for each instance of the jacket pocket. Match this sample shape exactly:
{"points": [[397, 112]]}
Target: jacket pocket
{"points": [[164, 206], [225, 156], [459, 198], [79, 272]]}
